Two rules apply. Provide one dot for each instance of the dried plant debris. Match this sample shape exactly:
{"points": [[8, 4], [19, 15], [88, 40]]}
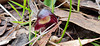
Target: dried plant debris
{"points": [[33, 8], [63, 3], [8, 36], [20, 40], [87, 4], [8, 23], [1, 11], [44, 40], [0, 20], [16, 14], [80, 20], [8, 18], [76, 42], [2, 29]]}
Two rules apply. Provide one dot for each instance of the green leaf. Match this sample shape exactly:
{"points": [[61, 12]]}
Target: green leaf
{"points": [[16, 21], [50, 3], [22, 24], [80, 41], [99, 17], [95, 44]]}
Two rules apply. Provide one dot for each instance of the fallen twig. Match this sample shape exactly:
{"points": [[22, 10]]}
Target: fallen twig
{"points": [[8, 12]]}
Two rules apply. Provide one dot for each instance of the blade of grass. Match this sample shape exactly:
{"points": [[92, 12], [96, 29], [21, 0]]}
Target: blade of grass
{"points": [[67, 22], [52, 7], [15, 10], [28, 5], [29, 22], [95, 44], [79, 41], [78, 6], [20, 5], [30, 27], [24, 8]]}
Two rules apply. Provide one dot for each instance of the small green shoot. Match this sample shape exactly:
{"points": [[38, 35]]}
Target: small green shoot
{"points": [[66, 22], [79, 41], [24, 7], [35, 34], [21, 22]]}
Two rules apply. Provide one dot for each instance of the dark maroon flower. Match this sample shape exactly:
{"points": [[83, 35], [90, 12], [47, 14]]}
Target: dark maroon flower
{"points": [[45, 18]]}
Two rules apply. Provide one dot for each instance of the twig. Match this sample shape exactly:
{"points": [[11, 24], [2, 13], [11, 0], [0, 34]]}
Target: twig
{"points": [[68, 34], [36, 7], [98, 1], [32, 7], [8, 12], [51, 30], [38, 36], [49, 27], [44, 32], [29, 41], [34, 33], [62, 4]]}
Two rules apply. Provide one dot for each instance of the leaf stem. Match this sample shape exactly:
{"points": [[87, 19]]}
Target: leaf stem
{"points": [[52, 7], [78, 6], [67, 22]]}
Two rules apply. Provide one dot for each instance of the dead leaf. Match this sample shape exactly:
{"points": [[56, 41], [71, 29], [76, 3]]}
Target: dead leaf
{"points": [[22, 37], [1, 11], [33, 7], [76, 42], [43, 41], [80, 20], [3, 23], [20, 40], [0, 20], [9, 38], [63, 2], [2, 29], [87, 4], [11, 34], [15, 14]]}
